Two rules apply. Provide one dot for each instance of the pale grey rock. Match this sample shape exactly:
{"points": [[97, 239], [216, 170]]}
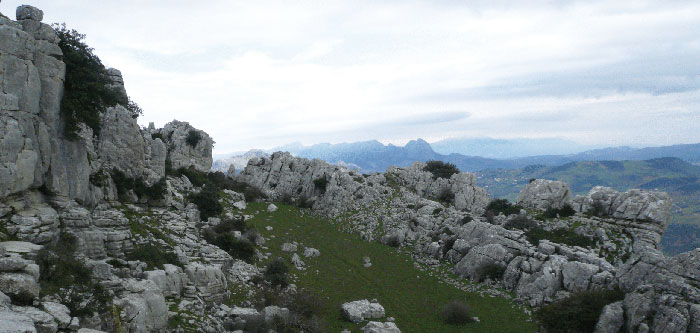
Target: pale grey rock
{"points": [[143, 306], [18, 284], [209, 281], [289, 247], [611, 319], [310, 252], [59, 312], [181, 154], [245, 313], [121, 144], [542, 194], [271, 208], [379, 327], [26, 12], [43, 322], [640, 205], [298, 263], [577, 275], [13, 322], [480, 257], [358, 311], [231, 172], [270, 312]]}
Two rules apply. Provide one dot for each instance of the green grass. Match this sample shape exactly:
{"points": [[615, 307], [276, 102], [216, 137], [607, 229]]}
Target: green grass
{"points": [[413, 297]]}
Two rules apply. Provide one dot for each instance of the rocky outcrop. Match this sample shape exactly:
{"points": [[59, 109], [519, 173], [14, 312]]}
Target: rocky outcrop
{"points": [[184, 153], [543, 194], [638, 205]]}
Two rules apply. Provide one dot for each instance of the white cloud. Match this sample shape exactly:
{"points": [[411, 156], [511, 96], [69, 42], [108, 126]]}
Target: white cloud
{"points": [[265, 73]]}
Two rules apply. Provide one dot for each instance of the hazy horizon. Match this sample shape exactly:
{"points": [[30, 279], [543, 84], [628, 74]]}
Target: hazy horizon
{"points": [[254, 74]]}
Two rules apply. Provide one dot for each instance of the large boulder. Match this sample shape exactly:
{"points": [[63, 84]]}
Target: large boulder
{"points": [[543, 194], [358, 311]]}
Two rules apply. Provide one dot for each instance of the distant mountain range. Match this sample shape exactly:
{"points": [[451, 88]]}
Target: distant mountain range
{"points": [[370, 156]]}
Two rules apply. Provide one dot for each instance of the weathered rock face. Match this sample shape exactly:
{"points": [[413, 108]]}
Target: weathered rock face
{"points": [[542, 194], [181, 151], [335, 189], [635, 204]]}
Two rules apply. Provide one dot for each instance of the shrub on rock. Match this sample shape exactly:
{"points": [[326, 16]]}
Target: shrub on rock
{"points": [[193, 138], [440, 169]]}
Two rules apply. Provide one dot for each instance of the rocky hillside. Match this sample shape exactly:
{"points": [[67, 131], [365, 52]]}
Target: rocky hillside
{"points": [[539, 251], [118, 228]]}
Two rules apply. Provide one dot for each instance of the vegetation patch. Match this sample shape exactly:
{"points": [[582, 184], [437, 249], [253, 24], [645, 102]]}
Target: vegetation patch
{"points": [[320, 183], [578, 312], [155, 256], [440, 169], [276, 273], [62, 275], [88, 89], [456, 313], [564, 211], [193, 138], [562, 236], [207, 201], [497, 206], [222, 236], [124, 184]]}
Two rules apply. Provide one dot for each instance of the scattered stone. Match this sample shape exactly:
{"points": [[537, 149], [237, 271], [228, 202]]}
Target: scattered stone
{"points": [[310, 252], [366, 262], [379, 327], [271, 208], [289, 247]]}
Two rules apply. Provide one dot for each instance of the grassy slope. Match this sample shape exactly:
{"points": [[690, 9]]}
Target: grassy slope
{"points": [[411, 296]]}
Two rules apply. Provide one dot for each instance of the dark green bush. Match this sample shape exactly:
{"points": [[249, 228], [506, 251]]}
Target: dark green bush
{"points": [[491, 271], [440, 169], [228, 225], [578, 312], [193, 138], [564, 211], [393, 241], [99, 178], [196, 177], [520, 222], [321, 183], [304, 202], [87, 90], [503, 206], [446, 195], [124, 184], [158, 136], [276, 273], [238, 248], [207, 201], [465, 220], [561, 236], [456, 313], [62, 275], [449, 243], [154, 256]]}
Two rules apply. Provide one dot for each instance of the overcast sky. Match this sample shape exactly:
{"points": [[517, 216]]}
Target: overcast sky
{"points": [[257, 74]]}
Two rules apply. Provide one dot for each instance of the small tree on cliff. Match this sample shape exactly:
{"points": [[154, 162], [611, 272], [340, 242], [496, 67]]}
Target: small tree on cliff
{"points": [[88, 89]]}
